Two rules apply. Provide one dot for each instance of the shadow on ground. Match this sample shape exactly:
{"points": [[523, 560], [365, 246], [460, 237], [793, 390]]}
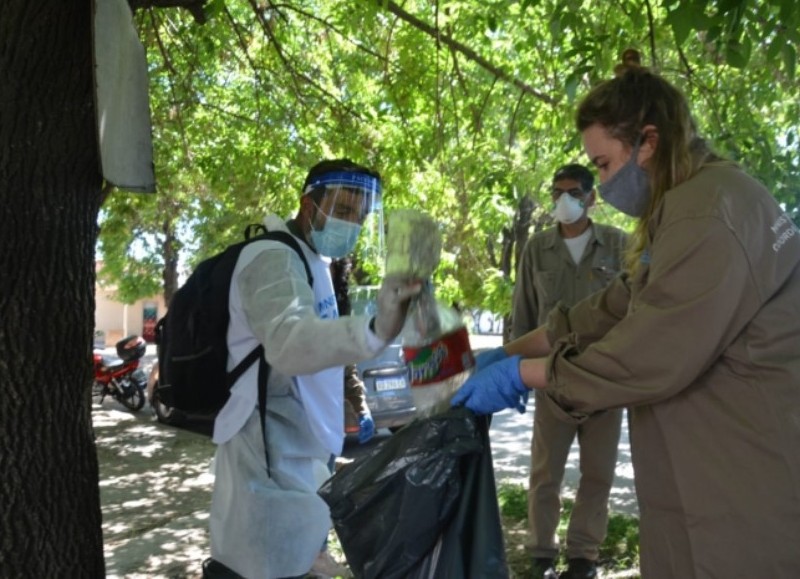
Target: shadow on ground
{"points": [[155, 491]]}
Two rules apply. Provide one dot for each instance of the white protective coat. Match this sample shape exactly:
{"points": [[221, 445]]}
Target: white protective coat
{"points": [[270, 527]]}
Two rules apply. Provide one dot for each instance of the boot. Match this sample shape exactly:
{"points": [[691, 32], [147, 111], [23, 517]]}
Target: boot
{"points": [[215, 570], [580, 569], [543, 568]]}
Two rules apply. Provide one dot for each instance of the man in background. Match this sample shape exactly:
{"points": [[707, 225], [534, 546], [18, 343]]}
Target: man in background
{"points": [[565, 264]]}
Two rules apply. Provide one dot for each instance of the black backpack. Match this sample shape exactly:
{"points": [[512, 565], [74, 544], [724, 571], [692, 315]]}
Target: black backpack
{"points": [[192, 341]]}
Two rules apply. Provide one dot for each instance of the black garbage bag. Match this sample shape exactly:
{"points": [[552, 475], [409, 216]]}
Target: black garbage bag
{"points": [[422, 504]]}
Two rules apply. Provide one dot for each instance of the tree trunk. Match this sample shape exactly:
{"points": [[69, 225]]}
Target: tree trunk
{"points": [[50, 187], [514, 239], [170, 250]]}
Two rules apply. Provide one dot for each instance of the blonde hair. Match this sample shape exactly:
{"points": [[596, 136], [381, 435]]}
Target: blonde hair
{"points": [[624, 105]]}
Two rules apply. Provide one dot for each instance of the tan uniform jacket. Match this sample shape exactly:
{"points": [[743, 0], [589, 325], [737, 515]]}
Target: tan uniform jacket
{"points": [[555, 277], [704, 345]]}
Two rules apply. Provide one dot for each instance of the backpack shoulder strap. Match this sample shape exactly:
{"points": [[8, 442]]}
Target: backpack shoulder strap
{"points": [[257, 232], [289, 240]]}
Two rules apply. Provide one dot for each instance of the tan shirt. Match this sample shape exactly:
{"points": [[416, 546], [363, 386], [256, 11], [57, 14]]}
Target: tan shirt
{"points": [[547, 274], [704, 346]]}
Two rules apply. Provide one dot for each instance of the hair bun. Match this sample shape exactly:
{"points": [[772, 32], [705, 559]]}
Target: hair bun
{"points": [[631, 59]]}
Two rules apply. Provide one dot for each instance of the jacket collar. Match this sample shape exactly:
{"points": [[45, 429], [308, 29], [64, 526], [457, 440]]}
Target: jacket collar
{"points": [[597, 235]]}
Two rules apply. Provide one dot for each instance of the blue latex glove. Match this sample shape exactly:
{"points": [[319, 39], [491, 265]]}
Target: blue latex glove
{"points": [[489, 357], [495, 388], [366, 428]]}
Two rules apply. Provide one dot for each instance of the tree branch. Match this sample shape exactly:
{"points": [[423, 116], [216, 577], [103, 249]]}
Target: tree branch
{"points": [[651, 34], [296, 74], [172, 76], [195, 7], [466, 51], [329, 26]]}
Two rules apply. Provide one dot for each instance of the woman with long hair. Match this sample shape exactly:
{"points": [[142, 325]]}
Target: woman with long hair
{"points": [[699, 338]]}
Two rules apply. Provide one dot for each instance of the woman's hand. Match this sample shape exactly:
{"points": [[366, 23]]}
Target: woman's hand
{"points": [[495, 388]]}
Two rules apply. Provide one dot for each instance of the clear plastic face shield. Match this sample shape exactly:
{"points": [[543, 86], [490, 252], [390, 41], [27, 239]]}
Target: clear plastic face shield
{"points": [[348, 218]]}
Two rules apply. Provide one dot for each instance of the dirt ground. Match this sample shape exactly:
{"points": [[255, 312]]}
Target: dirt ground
{"points": [[155, 492], [155, 489]]}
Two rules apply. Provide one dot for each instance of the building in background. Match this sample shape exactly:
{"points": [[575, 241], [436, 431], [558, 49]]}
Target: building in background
{"points": [[113, 320]]}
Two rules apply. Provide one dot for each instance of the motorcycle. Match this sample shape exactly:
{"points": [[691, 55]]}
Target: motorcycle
{"points": [[120, 377]]}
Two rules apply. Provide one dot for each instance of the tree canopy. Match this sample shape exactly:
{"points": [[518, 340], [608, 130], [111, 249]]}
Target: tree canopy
{"points": [[466, 108]]}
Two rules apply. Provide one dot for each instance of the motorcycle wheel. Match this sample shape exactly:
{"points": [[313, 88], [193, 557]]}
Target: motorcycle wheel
{"points": [[165, 414], [135, 401], [97, 392]]}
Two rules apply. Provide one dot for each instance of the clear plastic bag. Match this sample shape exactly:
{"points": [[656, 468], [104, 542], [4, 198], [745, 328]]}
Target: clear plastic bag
{"points": [[437, 350]]}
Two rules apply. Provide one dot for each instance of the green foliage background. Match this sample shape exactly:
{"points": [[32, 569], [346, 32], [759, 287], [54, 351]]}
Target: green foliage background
{"points": [[465, 107]]}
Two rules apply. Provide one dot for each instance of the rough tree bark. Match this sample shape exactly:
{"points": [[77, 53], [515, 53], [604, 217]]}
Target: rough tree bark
{"points": [[50, 521], [170, 272], [514, 239]]}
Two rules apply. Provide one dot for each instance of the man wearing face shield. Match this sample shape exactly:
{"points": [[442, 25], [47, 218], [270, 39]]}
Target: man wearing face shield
{"points": [[564, 264], [267, 520]]}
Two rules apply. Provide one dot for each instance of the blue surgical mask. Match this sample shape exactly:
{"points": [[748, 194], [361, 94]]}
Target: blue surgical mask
{"points": [[629, 188], [337, 238]]}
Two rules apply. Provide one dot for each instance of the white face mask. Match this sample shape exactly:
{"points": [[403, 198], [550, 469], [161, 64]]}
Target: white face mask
{"points": [[568, 209]]}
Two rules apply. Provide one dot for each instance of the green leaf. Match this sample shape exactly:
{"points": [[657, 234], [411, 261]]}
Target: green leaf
{"points": [[737, 53], [240, 114], [790, 60], [213, 8], [774, 48], [555, 26], [680, 20], [571, 86], [728, 5], [713, 33]]}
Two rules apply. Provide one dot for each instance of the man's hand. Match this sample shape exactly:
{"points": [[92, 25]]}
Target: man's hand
{"points": [[495, 388], [366, 428], [393, 299], [489, 357]]}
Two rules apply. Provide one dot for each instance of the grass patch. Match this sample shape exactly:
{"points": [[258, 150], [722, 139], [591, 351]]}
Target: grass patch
{"points": [[619, 553]]}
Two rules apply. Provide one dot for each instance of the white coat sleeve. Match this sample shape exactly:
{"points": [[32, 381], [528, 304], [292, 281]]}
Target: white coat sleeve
{"points": [[279, 307]]}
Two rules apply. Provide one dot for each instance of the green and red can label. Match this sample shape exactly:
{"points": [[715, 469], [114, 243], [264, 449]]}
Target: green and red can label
{"points": [[447, 356]]}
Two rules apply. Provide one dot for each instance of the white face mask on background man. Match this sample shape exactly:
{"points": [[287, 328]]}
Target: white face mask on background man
{"points": [[568, 209]]}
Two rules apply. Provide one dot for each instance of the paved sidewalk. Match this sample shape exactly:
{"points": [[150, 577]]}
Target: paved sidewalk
{"points": [[155, 484], [511, 438]]}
